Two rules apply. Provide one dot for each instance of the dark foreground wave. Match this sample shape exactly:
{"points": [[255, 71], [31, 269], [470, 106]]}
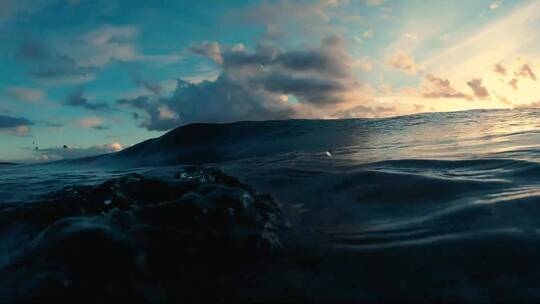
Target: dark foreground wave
{"points": [[135, 238]]}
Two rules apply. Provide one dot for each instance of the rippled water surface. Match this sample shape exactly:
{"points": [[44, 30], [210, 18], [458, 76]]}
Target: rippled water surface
{"points": [[418, 174], [453, 194]]}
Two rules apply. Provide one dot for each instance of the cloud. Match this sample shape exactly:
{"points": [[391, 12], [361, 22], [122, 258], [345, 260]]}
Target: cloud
{"points": [[505, 100], [12, 122], [368, 34], [104, 45], [211, 50], [77, 99], [478, 89], [151, 115], [221, 100], [495, 5], [96, 123], [267, 83], [526, 72], [72, 152], [435, 87], [77, 59], [318, 91], [532, 105], [513, 84], [14, 125], [402, 61], [50, 66], [499, 69], [24, 93]]}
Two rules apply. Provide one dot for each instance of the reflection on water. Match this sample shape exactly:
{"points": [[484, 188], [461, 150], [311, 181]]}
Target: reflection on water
{"points": [[448, 135]]}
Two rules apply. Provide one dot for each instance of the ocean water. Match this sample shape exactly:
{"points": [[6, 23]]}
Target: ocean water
{"points": [[435, 206]]}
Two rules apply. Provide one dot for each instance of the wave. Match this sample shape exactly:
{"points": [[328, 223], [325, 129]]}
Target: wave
{"points": [[453, 195]]}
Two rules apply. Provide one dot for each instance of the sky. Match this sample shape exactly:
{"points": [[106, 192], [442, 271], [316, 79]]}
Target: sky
{"points": [[84, 77]]}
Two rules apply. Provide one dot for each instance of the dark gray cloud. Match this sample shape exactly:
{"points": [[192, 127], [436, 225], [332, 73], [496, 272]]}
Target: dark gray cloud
{"points": [[314, 90], [77, 58], [330, 59], [320, 62], [255, 86], [14, 125], [46, 63], [7, 122], [152, 117], [77, 99], [221, 100], [100, 128]]}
